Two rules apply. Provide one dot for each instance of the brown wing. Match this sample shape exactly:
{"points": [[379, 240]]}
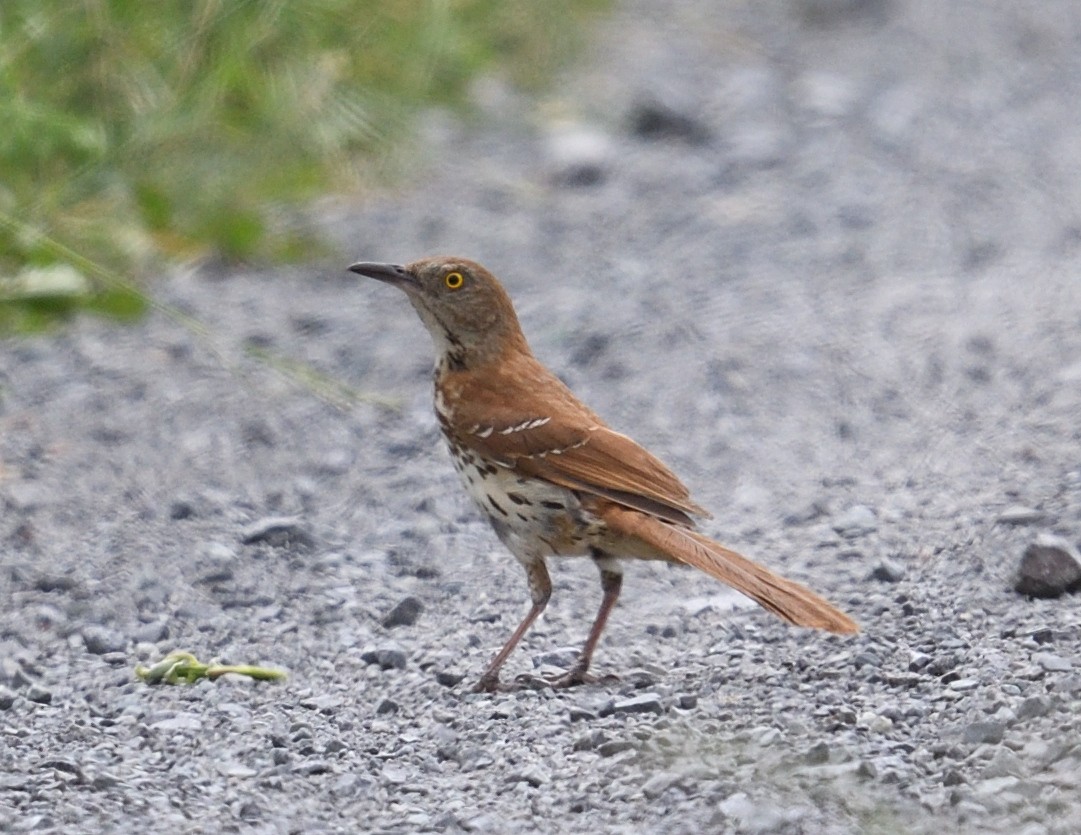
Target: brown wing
{"points": [[529, 421]]}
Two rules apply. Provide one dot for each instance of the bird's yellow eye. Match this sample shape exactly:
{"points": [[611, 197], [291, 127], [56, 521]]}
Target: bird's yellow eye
{"points": [[453, 280]]}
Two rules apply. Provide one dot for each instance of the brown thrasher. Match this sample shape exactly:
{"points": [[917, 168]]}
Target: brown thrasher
{"points": [[550, 476]]}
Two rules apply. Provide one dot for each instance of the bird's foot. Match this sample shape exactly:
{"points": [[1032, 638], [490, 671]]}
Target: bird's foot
{"points": [[488, 684], [492, 684], [576, 676]]}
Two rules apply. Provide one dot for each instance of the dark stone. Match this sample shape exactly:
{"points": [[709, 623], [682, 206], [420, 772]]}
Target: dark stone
{"points": [[39, 695], [405, 613], [1050, 567], [614, 746], [952, 778], [387, 706], [818, 754], [987, 732], [646, 703], [387, 659], [278, 532], [100, 640], [652, 119], [449, 679], [181, 509], [888, 571]]}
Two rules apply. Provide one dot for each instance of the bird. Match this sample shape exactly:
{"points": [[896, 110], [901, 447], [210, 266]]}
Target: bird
{"points": [[550, 476]]}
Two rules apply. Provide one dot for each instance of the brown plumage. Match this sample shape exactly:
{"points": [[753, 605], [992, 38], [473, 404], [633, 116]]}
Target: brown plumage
{"points": [[551, 477]]}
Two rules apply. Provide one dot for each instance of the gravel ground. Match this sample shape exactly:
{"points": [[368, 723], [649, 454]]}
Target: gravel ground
{"points": [[819, 255]]}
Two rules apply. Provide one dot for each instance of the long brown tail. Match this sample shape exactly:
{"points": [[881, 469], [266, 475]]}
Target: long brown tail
{"points": [[785, 598]]}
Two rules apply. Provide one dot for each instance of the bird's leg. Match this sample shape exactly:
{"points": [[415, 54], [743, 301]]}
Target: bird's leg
{"points": [[540, 587], [611, 583]]}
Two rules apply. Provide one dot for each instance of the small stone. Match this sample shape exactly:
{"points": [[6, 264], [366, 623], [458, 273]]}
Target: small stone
{"points": [[405, 613], [589, 741], [646, 703], [387, 658], [336, 746], [614, 746], [39, 695], [448, 678], [1068, 684], [311, 768], [964, 685], [581, 714], [1049, 568], [917, 661], [387, 706], [278, 532], [856, 521], [888, 571], [531, 775], [952, 777], [1020, 515], [654, 119], [1005, 763], [151, 633], [100, 640], [866, 658], [7, 697], [817, 754], [579, 155], [658, 784], [181, 509], [325, 703], [687, 701], [563, 658], [1051, 663], [985, 732], [1034, 707]]}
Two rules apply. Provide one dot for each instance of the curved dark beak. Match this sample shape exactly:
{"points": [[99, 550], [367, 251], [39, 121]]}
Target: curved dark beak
{"points": [[390, 273]]}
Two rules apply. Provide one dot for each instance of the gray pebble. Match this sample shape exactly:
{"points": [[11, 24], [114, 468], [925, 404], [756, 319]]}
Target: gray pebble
{"points": [[854, 522], [7, 697], [952, 777], [387, 706], [1051, 663], [405, 613], [532, 775], [388, 658], [39, 695], [658, 784], [1034, 707], [1049, 568], [888, 571], [563, 658], [984, 732], [1020, 515], [448, 678], [646, 703], [311, 768], [615, 746], [964, 685], [100, 640], [278, 532], [817, 754], [651, 118]]}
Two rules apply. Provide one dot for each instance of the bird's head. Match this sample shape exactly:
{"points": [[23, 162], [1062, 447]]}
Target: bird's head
{"points": [[465, 308]]}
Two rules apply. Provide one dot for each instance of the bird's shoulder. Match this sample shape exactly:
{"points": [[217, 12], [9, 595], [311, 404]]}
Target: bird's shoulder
{"points": [[523, 417]]}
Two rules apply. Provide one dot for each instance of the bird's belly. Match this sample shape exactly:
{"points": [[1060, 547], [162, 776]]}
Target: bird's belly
{"points": [[533, 518]]}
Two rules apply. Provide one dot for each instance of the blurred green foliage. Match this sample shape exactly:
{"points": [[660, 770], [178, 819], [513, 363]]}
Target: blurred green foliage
{"points": [[132, 132]]}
